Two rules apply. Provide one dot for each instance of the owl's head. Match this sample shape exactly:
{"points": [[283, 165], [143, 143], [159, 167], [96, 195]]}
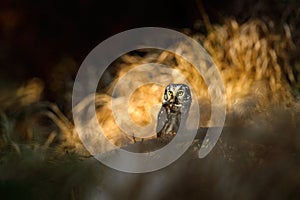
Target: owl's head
{"points": [[178, 94]]}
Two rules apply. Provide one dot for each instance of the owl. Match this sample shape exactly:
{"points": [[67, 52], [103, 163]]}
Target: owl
{"points": [[175, 108]]}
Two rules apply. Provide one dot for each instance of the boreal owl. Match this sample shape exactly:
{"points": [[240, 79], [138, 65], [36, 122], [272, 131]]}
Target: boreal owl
{"points": [[175, 108]]}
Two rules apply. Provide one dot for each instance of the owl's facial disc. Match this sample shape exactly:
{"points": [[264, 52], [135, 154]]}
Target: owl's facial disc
{"points": [[175, 94]]}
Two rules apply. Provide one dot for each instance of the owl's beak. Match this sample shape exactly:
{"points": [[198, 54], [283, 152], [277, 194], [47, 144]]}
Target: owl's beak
{"points": [[173, 99]]}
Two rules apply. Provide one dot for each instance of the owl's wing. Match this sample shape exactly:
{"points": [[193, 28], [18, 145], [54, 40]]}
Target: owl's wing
{"points": [[161, 119]]}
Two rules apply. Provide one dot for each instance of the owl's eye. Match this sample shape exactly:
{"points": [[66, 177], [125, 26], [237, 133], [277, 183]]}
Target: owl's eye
{"points": [[170, 93], [180, 93]]}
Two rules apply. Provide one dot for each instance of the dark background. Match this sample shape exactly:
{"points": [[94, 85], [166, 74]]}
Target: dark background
{"points": [[35, 35]]}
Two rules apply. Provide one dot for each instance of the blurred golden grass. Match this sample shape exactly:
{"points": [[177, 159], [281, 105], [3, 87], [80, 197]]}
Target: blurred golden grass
{"points": [[28, 122]]}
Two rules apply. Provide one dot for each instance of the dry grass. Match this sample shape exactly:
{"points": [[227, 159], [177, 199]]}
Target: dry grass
{"points": [[253, 56], [254, 62]]}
